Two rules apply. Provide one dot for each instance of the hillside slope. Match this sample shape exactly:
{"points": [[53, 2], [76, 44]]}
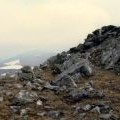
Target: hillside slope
{"points": [[80, 84], [107, 81]]}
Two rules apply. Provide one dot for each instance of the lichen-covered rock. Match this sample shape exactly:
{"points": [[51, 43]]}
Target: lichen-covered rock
{"points": [[76, 71]]}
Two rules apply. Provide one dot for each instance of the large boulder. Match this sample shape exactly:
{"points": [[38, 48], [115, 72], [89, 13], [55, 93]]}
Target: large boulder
{"points": [[26, 74], [26, 69], [76, 71]]}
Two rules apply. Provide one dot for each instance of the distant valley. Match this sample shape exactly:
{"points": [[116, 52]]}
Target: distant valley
{"points": [[32, 58]]}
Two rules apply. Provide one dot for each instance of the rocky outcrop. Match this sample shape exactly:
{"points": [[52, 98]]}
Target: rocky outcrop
{"points": [[74, 73], [103, 46], [70, 85]]}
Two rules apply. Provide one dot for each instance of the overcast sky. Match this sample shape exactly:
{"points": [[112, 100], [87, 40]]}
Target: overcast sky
{"points": [[51, 25]]}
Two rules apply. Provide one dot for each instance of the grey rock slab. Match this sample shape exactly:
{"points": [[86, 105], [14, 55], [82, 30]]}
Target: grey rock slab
{"points": [[65, 81], [105, 116], [79, 94]]}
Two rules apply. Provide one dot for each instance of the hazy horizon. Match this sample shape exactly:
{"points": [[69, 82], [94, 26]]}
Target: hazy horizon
{"points": [[51, 25]]}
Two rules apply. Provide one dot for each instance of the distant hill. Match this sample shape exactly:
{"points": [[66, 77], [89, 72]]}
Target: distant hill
{"points": [[31, 58]]}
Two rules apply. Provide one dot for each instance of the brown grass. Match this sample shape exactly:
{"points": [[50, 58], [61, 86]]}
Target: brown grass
{"points": [[104, 80]]}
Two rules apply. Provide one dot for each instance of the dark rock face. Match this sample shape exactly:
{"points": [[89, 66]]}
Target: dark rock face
{"points": [[79, 48], [59, 58], [101, 35], [104, 47], [56, 70]]}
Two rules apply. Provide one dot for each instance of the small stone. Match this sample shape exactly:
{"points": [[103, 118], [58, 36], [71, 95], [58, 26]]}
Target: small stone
{"points": [[29, 84], [80, 116], [91, 83], [9, 93], [23, 112], [40, 88], [15, 109], [105, 116], [38, 81], [87, 107], [39, 103], [1, 99], [48, 108], [41, 114], [18, 86], [55, 114], [96, 109], [51, 87]]}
